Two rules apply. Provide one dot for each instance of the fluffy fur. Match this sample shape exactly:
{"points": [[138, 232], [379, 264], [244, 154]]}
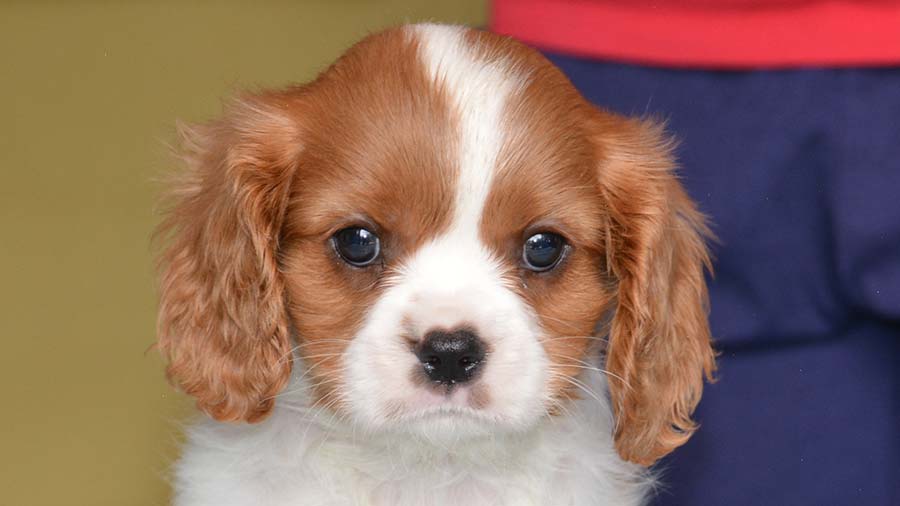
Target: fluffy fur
{"points": [[454, 146]]}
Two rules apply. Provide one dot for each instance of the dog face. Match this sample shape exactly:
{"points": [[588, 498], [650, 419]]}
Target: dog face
{"points": [[444, 231]]}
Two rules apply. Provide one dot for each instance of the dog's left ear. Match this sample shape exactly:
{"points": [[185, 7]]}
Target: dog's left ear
{"points": [[659, 348]]}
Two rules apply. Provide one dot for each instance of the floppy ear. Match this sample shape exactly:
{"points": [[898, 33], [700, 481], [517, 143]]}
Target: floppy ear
{"points": [[659, 346], [222, 323]]}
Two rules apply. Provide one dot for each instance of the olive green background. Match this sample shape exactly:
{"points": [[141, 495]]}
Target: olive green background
{"points": [[89, 95]]}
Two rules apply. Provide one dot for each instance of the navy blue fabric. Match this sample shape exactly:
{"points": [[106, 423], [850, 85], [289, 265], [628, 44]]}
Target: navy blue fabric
{"points": [[800, 173]]}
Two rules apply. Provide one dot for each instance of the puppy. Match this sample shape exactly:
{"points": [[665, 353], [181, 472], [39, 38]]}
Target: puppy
{"points": [[436, 275]]}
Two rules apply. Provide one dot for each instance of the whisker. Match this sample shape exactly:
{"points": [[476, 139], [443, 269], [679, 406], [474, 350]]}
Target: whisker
{"points": [[558, 320], [586, 338], [588, 365], [319, 355], [333, 419], [309, 369], [584, 367], [321, 340], [584, 388], [300, 346]]}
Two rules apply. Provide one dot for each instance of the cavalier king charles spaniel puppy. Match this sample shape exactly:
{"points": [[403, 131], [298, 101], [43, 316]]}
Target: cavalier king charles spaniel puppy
{"points": [[435, 275]]}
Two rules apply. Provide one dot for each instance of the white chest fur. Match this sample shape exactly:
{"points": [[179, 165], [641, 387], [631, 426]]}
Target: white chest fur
{"points": [[305, 457]]}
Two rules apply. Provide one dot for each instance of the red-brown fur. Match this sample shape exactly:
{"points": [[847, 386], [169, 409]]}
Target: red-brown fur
{"points": [[659, 336], [546, 181], [222, 322], [608, 185], [249, 260], [266, 187], [379, 145]]}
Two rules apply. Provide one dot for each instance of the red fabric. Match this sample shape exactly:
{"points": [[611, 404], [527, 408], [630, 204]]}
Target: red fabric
{"points": [[710, 33]]}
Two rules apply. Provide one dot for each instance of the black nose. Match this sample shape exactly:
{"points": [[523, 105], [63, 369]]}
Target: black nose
{"points": [[450, 357]]}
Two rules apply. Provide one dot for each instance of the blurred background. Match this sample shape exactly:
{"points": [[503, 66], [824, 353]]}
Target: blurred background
{"points": [[89, 95]]}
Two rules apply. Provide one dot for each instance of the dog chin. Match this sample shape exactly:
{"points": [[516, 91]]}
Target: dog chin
{"points": [[450, 425], [448, 417]]}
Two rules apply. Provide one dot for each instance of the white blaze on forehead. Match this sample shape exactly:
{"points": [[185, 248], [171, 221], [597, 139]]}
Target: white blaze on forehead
{"points": [[478, 90], [454, 279]]}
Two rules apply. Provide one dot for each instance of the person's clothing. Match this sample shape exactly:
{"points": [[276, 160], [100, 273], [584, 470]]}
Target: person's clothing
{"points": [[710, 33], [799, 172]]}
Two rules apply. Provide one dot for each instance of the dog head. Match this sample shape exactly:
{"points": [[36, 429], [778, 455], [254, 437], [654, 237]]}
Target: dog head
{"points": [[444, 232]]}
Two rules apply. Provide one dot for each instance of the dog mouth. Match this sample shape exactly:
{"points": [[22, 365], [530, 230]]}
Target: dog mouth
{"points": [[446, 411], [439, 401], [450, 420]]}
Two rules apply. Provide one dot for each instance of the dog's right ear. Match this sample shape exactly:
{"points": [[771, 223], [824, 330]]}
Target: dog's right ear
{"points": [[222, 323]]}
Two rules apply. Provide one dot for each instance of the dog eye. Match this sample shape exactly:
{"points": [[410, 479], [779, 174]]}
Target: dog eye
{"points": [[357, 246], [542, 251]]}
